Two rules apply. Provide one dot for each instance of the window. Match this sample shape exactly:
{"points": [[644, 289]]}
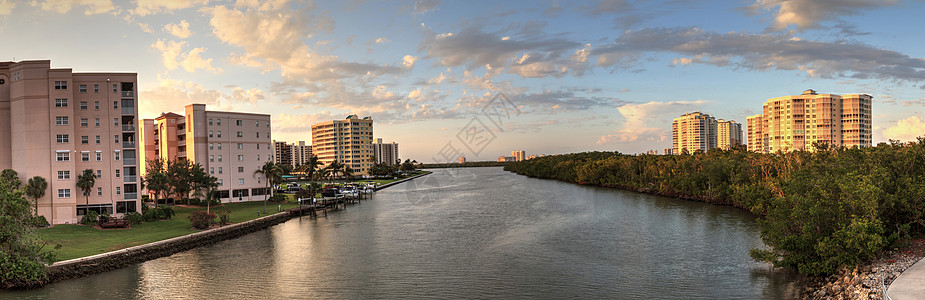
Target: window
{"points": [[61, 120], [210, 122], [240, 146], [99, 156], [115, 105], [97, 140], [219, 158], [211, 170], [219, 146], [125, 207], [63, 155], [85, 156], [64, 193], [84, 139], [60, 102], [60, 85], [240, 134], [268, 124], [116, 138], [210, 133], [96, 89], [237, 122], [257, 123], [96, 105], [118, 173], [118, 190], [62, 139], [258, 157], [97, 122], [268, 157], [83, 105], [64, 175], [211, 146], [240, 180], [83, 88], [240, 157], [211, 158], [220, 183], [258, 146], [258, 135], [99, 191], [115, 121], [115, 155], [258, 179], [218, 122], [220, 170], [115, 88], [83, 122], [240, 169], [219, 133]]}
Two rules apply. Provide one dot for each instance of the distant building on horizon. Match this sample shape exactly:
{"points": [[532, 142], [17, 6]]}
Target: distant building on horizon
{"points": [[293, 154], [792, 123], [506, 159], [348, 141], [669, 151], [462, 159], [518, 155], [728, 134], [652, 152], [386, 153], [699, 131]]}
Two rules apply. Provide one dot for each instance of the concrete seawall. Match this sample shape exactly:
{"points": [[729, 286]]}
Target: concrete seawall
{"points": [[108, 261]]}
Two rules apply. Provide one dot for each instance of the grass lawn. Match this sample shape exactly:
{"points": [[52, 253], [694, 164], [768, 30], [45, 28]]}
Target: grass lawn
{"points": [[79, 241]]}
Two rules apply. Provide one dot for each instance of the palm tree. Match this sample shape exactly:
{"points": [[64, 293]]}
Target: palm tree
{"points": [[335, 168], [348, 173], [311, 166], [35, 189], [85, 182], [272, 173]]}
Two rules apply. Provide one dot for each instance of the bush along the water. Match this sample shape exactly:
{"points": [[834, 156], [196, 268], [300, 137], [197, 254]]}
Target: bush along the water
{"points": [[201, 219], [817, 211]]}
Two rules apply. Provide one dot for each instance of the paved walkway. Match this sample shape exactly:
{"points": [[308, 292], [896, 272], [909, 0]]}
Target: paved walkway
{"points": [[910, 284]]}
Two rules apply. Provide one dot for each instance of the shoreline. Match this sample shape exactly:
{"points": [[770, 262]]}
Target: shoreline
{"points": [[117, 259], [847, 283]]}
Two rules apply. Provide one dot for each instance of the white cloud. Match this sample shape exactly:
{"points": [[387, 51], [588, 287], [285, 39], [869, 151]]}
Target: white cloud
{"points": [[408, 61], [251, 96], [148, 7], [180, 30], [907, 129], [639, 120], [193, 61], [423, 6], [6, 7], [265, 5], [806, 14], [173, 57], [173, 95], [414, 94], [170, 50], [63, 6]]}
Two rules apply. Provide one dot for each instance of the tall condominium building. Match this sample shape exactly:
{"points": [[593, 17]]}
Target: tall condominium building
{"points": [[754, 135], [282, 153], [728, 134], [55, 123], [792, 123], [693, 131], [347, 141], [229, 145], [385, 152], [518, 155]]}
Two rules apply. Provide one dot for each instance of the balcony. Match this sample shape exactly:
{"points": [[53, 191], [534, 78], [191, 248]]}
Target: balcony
{"points": [[128, 144], [129, 110], [126, 94], [130, 178], [128, 127], [131, 196]]}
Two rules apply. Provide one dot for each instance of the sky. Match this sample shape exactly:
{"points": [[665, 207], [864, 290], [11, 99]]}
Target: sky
{"points": [[483, 78]]}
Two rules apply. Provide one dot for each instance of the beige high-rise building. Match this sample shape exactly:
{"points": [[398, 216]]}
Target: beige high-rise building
{"points": [[229, 145], [792, 123], [728, 134], [518, 155], [754, 135], [55, 123], [693, 131], [301, 153], [385, 152], [348, 141]]}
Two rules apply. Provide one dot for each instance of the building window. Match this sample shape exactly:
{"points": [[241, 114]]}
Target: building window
{"points": [[237, 122], [60, 85], [125, 207], [60, 102], [62, 138], [219, 133], [96, 89], [210, 133], [118, 190], [220, 182], [61, 120], [211, 158], [258, 157], [96, 105], [258, 135], [240, 134], [116, 138], [257, 123], [240, 146], [97, 140], [219, 158], [268, 157], [84, 139], [115, 105], [99, 156], [83, 105], [115, 88], [220, 170], [64, 175], [115, 121], [115, 155], [97, 122], [211, 170], [99, 191], [219, 146], [240, 157], [218, 122], [99, 173], [240, 169], [240, 180], [118, 173], [84, 122], [83, 88], [210, 122], [211, 146], [63, 156], [64, 193]]}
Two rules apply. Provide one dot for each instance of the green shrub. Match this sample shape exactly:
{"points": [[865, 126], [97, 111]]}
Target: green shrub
{"points": [[149, 215], [39, 221], [201, 219], [134, 217], [166, 212], [224, 217], [277, 198], [90, 218]]}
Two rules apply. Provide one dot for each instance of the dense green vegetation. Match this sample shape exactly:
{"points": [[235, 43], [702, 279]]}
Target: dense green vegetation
{"points": [[22, 254], [817, 211]]}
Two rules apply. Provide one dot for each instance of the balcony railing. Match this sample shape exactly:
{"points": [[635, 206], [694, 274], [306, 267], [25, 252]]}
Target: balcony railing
{"points": [[128, 110], [128, 127], [128, 94], [131, 196], [128, 144], [129, 161], [129, 178]]}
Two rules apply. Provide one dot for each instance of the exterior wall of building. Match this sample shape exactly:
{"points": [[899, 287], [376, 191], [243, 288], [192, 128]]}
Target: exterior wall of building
{"points": [[755, 128], [728, 134], [282, 153], [348, 141], [793, 123], [518, 155], [229, 145], [301, 153], [385, 152], [693, 131], [87, 119]]}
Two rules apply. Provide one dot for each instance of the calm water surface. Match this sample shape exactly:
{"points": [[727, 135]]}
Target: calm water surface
{"points": [[469, 233]]}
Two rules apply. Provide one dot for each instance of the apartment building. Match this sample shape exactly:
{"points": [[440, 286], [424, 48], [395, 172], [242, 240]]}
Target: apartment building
{"points": [[693, 131], [229, 145], [55, 123], [518, 155], [754, 135], [282, 153], [348, 141], [728, 134], [792, 123], [386, 153], [295, 154]]}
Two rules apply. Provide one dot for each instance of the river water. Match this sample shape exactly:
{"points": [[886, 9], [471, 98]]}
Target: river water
{"points": [[469, 233]]}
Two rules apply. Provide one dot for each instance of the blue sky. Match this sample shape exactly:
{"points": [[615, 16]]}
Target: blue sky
{"points": [[584, 75]]}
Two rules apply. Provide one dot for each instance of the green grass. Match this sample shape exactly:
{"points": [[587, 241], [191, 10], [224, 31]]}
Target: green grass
{"points": [[79, 241]]}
